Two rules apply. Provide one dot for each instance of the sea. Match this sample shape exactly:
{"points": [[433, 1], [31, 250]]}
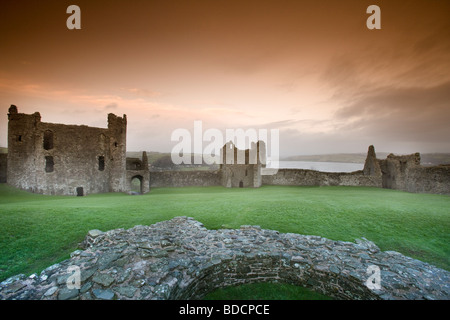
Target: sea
{"points": [[318, 166]]}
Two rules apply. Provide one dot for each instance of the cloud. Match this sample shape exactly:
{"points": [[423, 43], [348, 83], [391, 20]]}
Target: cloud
{"points": [[296, 124], [435, 41], [111, 106], [143, 92], [404, 114]]}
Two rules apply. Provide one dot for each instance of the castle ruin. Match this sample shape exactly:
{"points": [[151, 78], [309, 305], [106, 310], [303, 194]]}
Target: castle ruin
{"points": [[242, 168], [58, 159]]}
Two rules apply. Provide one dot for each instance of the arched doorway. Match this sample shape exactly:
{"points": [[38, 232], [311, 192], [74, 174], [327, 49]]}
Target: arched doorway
{"points": [[241, 184], [80, 191], [136, 185]]}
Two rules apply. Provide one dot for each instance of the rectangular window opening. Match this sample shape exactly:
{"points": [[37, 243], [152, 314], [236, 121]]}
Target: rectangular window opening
{"points": [[48, 140], [49, 164], [101, 163]]}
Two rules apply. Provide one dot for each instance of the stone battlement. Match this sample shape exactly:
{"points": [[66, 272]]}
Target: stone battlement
{"points": [[181, 259]]}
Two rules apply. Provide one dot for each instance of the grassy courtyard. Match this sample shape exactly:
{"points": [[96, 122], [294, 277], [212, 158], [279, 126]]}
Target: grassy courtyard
{"points": [[37, 231]]}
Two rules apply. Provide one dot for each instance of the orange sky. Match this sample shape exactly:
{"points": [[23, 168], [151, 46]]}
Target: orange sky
{"points": [[311, 69]]}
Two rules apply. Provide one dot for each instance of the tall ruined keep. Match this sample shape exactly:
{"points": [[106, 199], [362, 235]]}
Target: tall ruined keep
{"points": [[58, 159], [242, 168]]}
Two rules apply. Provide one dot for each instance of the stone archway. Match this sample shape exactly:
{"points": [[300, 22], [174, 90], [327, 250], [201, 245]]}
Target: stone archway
{"points": [[180, 259], [137, 184]]}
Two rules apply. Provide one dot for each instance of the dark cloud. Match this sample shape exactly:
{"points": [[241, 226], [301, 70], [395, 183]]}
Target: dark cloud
{"points": [[436, 41], [402, 114]]}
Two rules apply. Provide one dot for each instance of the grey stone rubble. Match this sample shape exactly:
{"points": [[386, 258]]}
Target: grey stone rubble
{"points": [[181, 259]]}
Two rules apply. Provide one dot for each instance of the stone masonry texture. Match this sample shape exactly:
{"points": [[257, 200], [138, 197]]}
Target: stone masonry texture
{"points": [[181, 259], [60, 159]]}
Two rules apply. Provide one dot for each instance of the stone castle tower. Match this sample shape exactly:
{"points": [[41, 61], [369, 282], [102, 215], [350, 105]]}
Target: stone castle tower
{"points": [[63, 159], [242, 168]]}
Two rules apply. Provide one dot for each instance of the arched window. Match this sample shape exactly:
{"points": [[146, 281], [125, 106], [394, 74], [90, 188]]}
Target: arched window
{"points": [[48, 139]]}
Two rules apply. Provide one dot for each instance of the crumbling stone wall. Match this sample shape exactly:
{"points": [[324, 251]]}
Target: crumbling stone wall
{"points": [[138, 169], [370, 176], [185, 178], [3, 167], [395, 172], [181, 259], [372, 165], [300, 177], [434, 179], [242, 168], [239, 168], [406, 173], [63, 159]]}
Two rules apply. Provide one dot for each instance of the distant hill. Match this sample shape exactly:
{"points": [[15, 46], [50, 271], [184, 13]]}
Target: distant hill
{"points": [[163, 161], [427, 159], [434, 158], [338, 157], [151, 155]]}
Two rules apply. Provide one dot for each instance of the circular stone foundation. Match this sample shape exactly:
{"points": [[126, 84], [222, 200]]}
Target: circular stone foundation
{"points": [[181, 259]]}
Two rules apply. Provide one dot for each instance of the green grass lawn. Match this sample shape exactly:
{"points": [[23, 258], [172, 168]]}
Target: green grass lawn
{"points": [[265, 291], [37, 231]]}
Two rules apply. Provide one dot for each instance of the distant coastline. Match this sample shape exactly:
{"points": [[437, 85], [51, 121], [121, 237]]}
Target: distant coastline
{"points": [[427, 159], [325, 166]]}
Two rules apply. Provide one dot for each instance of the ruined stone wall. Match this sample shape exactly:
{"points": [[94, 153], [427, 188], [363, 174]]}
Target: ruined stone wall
{"points": [[117, 136], [405, 173], [144, 178], [300, 177], [285, 177], [395, 172], [21, 145], [60, 159], [185, 178], [239, 175], [76, 165], [138, 169], [181, 259], [429, 180], [242, 168], [3, 167]]}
